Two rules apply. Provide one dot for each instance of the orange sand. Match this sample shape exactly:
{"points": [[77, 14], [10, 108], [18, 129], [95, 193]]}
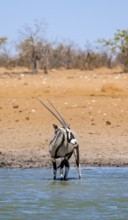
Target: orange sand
{"points": [[95, 103]]}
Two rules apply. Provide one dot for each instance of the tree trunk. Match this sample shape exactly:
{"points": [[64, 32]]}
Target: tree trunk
{"points": [[46, 66], [35, 66]]}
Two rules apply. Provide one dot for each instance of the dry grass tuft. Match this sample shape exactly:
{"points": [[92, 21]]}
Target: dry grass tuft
{"points": [[110, 88]]}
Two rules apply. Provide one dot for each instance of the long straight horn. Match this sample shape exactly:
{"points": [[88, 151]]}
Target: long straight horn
{"points": [[66, 124], [51, 112]]}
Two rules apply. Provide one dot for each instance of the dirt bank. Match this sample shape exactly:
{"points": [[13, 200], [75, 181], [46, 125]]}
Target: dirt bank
{"points": [[95, 103]]}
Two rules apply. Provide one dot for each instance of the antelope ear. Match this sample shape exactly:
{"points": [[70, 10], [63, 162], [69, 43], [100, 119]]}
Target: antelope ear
{"points": [[55, 126]]}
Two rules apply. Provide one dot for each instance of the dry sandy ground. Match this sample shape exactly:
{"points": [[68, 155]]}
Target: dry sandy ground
{"points": [[95, 103]]}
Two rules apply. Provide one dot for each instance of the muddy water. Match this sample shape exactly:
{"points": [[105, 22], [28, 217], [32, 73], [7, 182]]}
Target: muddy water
{"points": [[32, 194]]}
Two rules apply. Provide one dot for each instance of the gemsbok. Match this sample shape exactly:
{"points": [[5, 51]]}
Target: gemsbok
{"points": [[62, 145]]}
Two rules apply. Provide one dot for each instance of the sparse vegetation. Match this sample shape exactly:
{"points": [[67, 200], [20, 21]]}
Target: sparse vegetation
{"points": [[118, 47], [36, 52]]}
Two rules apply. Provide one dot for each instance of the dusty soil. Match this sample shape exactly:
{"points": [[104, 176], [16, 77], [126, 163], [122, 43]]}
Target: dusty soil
{"points": [[95, 103]]}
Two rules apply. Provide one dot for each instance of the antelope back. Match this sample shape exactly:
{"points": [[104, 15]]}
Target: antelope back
{"points": [[59, 146]]}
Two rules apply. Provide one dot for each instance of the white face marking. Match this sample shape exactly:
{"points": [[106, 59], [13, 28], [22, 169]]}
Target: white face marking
{"points": [[74, 141]]}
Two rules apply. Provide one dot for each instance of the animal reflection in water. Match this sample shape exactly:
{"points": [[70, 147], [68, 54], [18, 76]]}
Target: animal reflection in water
{"points": [[62, 145]]}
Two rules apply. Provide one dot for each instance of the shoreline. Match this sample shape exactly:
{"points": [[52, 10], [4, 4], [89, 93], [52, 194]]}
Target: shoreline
{"points": [[47, 164]]}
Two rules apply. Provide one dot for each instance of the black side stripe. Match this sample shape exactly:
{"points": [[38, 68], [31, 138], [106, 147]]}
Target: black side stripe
{"points": [[63, 139], [72, 136], [52, 139]]}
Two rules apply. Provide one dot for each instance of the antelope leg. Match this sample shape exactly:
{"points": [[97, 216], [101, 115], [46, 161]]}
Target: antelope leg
{"points": [[77, 158], [67, 166], [54, 169], [61, 169]]}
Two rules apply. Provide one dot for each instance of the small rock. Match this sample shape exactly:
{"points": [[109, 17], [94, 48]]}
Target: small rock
{"points": [[33, 110], [25, 84], [15, 106], [108, 123]]}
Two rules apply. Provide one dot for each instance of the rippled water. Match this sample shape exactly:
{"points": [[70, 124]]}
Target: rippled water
{"points": [[31, 194]]}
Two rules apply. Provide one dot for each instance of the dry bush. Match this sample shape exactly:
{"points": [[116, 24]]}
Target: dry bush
{"points": [[110, 88]]}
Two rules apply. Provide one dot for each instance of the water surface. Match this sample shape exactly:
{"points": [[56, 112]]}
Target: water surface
{"points": [[31, 194]]}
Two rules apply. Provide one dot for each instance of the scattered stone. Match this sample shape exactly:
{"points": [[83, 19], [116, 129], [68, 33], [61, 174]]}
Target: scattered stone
{"points": [[27, 118], [108, 123], [2, 164], [25, 84], [33, 110], [15, 106]]}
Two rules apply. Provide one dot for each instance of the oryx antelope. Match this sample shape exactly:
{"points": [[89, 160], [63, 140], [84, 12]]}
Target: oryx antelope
{"points": [[63, 144]]}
